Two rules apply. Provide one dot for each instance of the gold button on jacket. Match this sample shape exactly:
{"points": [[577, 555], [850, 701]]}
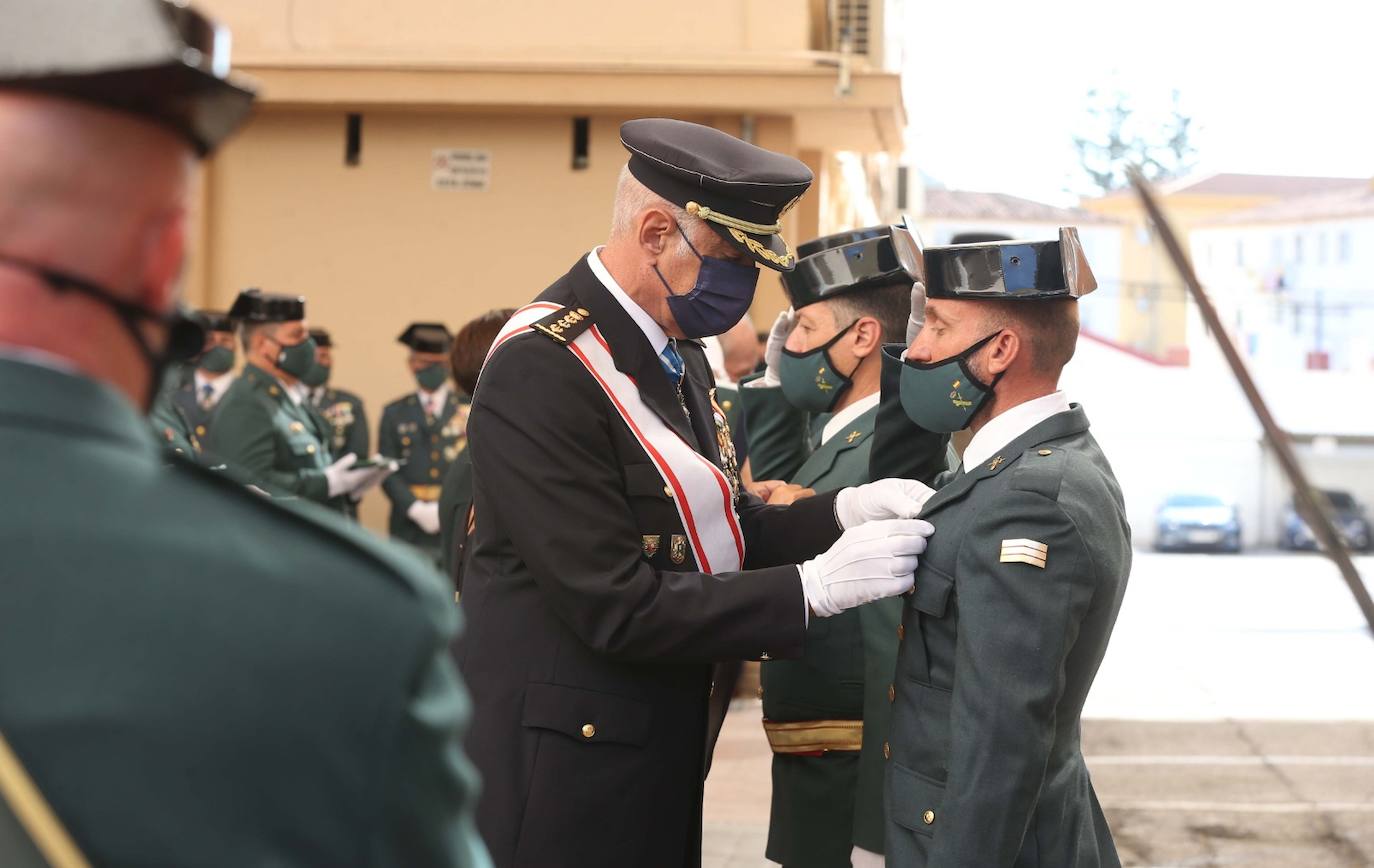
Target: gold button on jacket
{"points": [[588, 730]]}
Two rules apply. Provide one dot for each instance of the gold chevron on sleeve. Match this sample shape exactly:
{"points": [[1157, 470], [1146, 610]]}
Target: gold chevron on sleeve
{"points": [[1024, 551]]}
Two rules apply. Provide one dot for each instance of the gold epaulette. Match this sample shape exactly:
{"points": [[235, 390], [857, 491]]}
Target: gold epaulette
{"points": [[564, 324]]}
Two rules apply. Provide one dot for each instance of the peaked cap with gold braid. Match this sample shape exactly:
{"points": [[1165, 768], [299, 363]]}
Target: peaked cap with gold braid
{"points": [[740, 190]]}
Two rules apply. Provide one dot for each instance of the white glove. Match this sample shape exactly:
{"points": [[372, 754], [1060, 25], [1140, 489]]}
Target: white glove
{"points": [[917, 320], [425, 514], [344, 479], [865, 564], [772, 352], [886, 498], [376, 477]]}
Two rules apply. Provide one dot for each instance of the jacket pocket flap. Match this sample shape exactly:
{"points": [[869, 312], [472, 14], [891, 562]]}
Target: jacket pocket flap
{"points": [[643, 480], [586, 715], [913, 800], [932, 591]]}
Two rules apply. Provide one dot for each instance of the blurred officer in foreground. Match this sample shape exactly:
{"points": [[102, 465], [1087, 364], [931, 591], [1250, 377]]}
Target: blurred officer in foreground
{"points": [[470, 348], [264, 429], [613, 555], [425, 431], [812, 416], [275, 692], [1017, 594], [342, 409]]}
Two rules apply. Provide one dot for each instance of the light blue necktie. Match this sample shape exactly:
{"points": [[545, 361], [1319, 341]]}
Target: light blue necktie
{"points": [[672, 363]]}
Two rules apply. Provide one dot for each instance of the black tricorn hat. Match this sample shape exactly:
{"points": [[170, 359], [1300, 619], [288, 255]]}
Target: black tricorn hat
{"points": [[253, 305], [157, 59], [215, 320], [1011, 270], [321, 337], [840, 239], [739, 189], [427, 337], [852, 266]]}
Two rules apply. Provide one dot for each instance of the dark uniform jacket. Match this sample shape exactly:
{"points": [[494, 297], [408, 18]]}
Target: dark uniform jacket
{"points": [[588, 650], [195, 675], [346, 418], [1015, 600], [427, 445], [455, 501], [824, 805], [268, 439], [184, 396]]}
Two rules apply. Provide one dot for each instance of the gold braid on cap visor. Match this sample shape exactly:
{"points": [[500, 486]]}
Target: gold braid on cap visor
{"points": [[696, 209]]}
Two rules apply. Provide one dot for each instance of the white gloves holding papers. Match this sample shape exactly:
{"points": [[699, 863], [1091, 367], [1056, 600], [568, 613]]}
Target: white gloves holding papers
{"points": [[886, 498], [866, 563], [345, 479], [425, 514]]}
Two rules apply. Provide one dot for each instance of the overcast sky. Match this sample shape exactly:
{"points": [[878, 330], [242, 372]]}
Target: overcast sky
{"points": [[996, 90]]}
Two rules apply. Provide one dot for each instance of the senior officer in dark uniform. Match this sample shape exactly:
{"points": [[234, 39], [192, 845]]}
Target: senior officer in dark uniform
{"points": [[812, 415], [425, 430], [277, 692], [264, 430], [342, 409], [605, 572], [1017, 594]]}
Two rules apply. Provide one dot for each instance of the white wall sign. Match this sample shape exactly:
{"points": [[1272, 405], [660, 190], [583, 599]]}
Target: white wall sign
{"points": [[460, 169]]}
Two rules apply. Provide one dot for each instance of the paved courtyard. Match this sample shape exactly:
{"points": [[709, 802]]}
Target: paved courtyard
{"points": [[1232, 723]]}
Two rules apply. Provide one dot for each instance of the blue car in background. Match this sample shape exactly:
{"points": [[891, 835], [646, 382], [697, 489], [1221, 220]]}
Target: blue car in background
{"points": [[1192, 522], [1351, 523]]}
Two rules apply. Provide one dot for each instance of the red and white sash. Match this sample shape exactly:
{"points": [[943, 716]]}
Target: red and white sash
{"points": [[701, 492]]}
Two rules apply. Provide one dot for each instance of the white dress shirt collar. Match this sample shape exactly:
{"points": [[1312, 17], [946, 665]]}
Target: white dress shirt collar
{"points": [[438, 399], [657, 338], [842, 419], [218, 386], [1005, 428]]}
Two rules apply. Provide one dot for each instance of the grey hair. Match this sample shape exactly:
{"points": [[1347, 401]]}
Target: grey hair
{"points": [[631, 200]]}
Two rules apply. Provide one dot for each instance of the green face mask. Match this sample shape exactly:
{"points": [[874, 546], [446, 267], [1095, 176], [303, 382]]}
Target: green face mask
{"points": [[431, 377], [217, 360], [297, 359], [810, 381], [943, 397], [317, 376]]}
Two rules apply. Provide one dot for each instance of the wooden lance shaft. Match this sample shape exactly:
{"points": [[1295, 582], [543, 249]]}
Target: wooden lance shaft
{"points": [[1312, 509]]}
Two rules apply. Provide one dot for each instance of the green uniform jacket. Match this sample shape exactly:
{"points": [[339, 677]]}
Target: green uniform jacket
{"points": [[347, 419], [268, 439], [824, 805], [196, 675], [1015, 599], [171, 429], [427, 446]]}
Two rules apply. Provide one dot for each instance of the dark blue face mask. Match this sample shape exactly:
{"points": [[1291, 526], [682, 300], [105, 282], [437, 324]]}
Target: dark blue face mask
{"points": [[720, 298]]}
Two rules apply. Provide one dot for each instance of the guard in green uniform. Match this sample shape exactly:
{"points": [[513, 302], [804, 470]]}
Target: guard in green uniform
{"points": [[211, 375], [190, 673], [425, 430], [811, 418], [1019, 589], [181, 413], [264, 429], [341, 409]]}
